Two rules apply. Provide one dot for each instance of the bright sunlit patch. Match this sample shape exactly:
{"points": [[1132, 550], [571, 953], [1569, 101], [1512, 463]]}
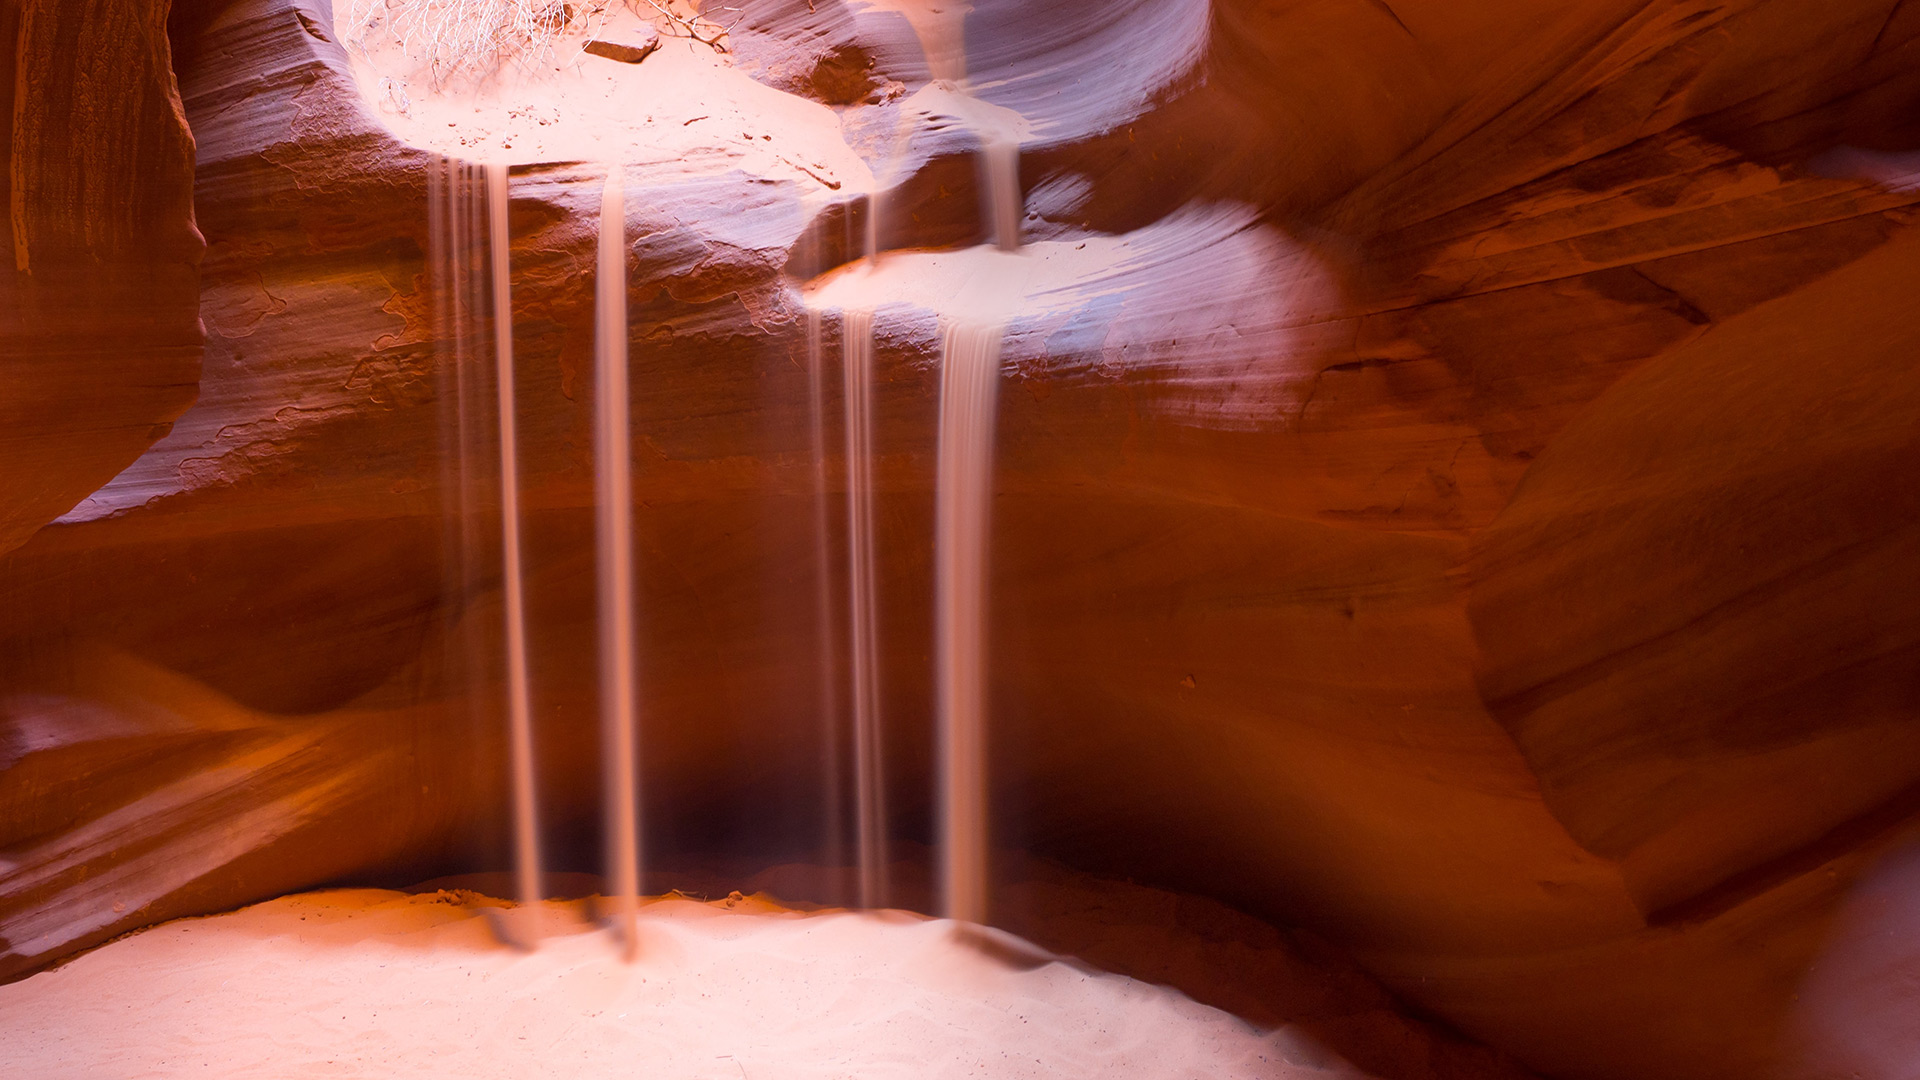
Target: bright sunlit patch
{"points": [[513, 82]]}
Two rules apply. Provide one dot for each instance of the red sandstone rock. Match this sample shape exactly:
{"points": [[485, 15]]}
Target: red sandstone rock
{"points": [[1493, 554], [99, 330], [626, 52]]}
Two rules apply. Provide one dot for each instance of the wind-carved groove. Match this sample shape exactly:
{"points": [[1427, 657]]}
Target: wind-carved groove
{"points": [[312, 26], [1854, 834], [1886, 24], [1675, 302], [1513, 708], [1384, 6]]}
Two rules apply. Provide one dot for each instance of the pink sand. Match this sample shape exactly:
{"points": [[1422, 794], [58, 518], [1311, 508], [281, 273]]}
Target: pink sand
{"points": [[368, 983]]}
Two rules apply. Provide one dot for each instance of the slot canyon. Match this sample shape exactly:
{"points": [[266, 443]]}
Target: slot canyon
{"points": [[1160, 538]]}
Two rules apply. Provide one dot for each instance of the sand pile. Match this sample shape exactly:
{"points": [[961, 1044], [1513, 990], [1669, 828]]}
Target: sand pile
{"points": [[376, 983], [685, 108]]}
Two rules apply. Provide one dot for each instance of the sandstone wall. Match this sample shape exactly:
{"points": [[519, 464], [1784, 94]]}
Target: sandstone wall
{"points": [[1469, 522], [99, 328]]}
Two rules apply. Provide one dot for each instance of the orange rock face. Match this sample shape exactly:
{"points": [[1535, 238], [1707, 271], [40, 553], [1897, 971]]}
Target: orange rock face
{"points": [[1469, 516], [99, 328]]}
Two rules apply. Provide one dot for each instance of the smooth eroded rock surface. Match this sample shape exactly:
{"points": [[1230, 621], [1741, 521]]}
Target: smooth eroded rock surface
{"points": [[99, 296], [1450, 488]]}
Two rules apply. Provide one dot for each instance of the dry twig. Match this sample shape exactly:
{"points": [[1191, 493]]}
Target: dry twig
{"points": [[691, 24], [468, 37]]}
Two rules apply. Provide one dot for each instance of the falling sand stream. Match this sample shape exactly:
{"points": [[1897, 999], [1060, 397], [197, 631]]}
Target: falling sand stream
{"points": [[870, 807], [464, 199], [833, 848], [613, 478], [970, 345], [969, 387], [970, 358], [455, 193], [526, 837]]}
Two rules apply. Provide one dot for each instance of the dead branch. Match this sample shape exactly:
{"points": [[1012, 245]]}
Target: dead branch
{"points": [[691, 24]]}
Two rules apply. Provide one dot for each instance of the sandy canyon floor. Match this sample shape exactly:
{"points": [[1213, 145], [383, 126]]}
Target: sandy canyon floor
{"points": [[366, 983]]}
